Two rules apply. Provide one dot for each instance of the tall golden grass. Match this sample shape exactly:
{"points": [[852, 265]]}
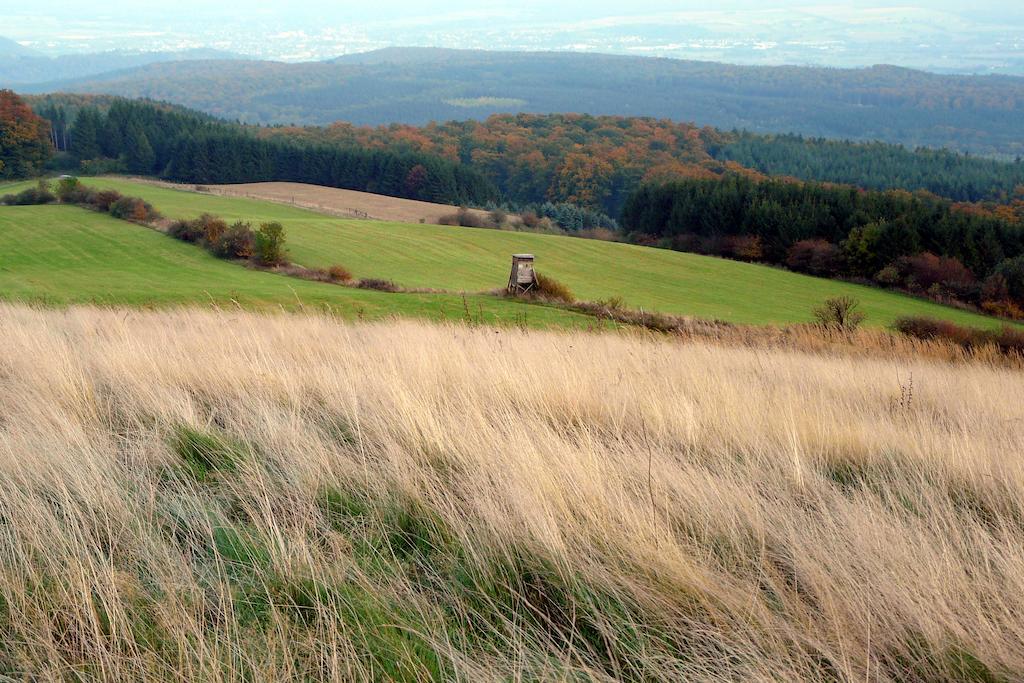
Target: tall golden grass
{"points": [[202, 495]]}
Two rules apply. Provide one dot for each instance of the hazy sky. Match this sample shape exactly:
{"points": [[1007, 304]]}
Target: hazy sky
{"points": [[944, 34], [390, 10]]}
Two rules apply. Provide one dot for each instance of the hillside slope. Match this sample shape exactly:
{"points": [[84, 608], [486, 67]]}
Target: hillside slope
{"points": [[21, 66], [215, 496], [975, 113], [344, 203], [472, 259], [66, 255]]}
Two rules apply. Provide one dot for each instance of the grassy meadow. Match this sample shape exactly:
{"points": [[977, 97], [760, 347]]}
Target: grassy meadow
{"points": [[62, 255], [476, 260], [224, 495]]}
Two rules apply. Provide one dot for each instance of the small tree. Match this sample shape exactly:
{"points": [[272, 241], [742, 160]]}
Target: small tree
{"points": [[105, 199], [211, 227], [69, 190], [269, 244], [237, 242], [186, 231], [840, 313]]}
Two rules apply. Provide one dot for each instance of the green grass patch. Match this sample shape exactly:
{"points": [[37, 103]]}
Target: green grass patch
{"points": [[473, 259], [60, 255], [204, 452], [240, 547], [490, 600]]}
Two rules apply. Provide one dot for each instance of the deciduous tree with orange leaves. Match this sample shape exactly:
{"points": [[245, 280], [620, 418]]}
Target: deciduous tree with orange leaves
{"points": [[24, 138]]}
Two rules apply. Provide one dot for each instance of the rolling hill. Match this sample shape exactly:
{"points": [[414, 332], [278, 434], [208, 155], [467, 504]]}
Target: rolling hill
{"points": [[22, 66], [980, 114], [62, 255], [476, 260]]}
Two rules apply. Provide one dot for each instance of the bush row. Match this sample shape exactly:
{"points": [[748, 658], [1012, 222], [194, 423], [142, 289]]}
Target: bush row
{"points": [[548, 218], [40, 194], [264, 246], [71, 191], [1007, 339]]}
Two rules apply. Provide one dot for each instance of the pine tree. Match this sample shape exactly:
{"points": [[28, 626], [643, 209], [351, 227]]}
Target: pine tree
{"points": [[138, 152], [85, 135]]}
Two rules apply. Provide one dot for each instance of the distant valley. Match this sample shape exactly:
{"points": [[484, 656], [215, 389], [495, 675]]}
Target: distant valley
{"points": [[977, 114]]}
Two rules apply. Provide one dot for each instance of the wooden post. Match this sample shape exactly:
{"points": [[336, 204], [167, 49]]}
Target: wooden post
{"points": [[523, 277]]}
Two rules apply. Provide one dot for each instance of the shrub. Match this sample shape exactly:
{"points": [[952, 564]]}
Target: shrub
{"points": [[72, 191], [8, 199], [133, 209], [339, 273], [186, 231], [745, 247], [817, 257], [269, 244], [927, 270], [498, 217], [613, 303], [930, 328], [687, 241], [104, 199], [40, 194], [1007, 340], [1003, 309], [995, 288], [840, 313], [211, 228], [550, 288], [379, 285], [123, 207], [237, 242], [467, 218]]}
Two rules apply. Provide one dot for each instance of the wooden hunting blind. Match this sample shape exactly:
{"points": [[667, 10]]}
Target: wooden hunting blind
{"points": [[523, 277]]}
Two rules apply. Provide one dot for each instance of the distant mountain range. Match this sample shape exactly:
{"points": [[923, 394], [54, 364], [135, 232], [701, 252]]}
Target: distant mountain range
{"points": [[10, 49], [21, 66], [979, 114]]}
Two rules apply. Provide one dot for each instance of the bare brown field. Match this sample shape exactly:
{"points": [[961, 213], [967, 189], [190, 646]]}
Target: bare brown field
{"points": [[221, 495]]}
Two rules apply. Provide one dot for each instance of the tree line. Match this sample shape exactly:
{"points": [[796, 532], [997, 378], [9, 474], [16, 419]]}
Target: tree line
{"points": [[912, 241], [876, 166], [146, 139], [597, 161]]}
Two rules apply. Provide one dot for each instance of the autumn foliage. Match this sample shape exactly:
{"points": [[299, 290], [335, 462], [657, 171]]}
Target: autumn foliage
{"points": [[591, 161], [24, 138]]}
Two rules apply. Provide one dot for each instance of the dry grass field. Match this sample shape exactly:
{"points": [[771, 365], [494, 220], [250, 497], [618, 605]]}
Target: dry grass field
{"points": [[219, 496], [335, 202]]}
